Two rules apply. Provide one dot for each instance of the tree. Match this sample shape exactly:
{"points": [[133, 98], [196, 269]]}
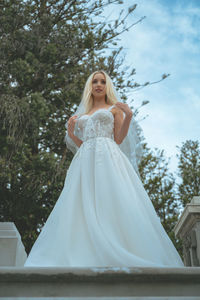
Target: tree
{"points": [[189, 171], [159, 184], [47, 50]]}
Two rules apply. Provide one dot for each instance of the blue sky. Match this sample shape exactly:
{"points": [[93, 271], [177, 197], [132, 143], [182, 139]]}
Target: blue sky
{"points": [[166, 41]]}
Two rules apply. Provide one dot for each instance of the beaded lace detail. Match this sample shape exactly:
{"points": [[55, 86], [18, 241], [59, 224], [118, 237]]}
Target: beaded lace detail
{"points": [[94, 129], [99, 124]]}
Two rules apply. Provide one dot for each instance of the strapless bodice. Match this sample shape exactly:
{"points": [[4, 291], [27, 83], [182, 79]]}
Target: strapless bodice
{"points": [[99, 124]]}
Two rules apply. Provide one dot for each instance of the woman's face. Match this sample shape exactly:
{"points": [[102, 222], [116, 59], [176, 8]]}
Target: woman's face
{"points": [[99, 85]]}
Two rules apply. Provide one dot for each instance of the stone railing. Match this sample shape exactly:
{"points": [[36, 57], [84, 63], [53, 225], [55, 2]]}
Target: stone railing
{"points": [[188, 230], [100, 283]]}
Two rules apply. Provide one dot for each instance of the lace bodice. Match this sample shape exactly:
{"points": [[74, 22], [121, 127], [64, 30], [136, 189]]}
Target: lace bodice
{"points": [[88, 127], [99, 124]]}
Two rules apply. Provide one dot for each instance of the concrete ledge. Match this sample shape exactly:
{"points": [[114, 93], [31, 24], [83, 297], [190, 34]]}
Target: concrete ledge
{"points": [[99, 282], [189, 217]]}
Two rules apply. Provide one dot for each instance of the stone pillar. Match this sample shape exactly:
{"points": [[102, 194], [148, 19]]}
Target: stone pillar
{"points": [[12, 252], [188, 230]]}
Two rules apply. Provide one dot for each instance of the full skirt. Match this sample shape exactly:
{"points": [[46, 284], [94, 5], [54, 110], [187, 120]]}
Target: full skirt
{"points": [[103, 217]]}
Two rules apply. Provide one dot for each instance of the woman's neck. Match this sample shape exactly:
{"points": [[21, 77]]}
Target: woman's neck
{"points": [[98, 103]]}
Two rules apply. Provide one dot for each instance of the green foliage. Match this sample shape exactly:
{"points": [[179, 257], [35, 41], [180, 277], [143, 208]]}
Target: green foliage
{"points": [[47, 51], [160, 186], [189, 171]]}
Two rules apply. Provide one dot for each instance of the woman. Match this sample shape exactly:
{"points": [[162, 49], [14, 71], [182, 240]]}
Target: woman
{"points": [[103, 217]]}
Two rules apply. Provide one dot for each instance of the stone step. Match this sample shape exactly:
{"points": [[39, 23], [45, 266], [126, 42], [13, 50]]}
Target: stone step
{"points": [[104, 298], [102, 283]]}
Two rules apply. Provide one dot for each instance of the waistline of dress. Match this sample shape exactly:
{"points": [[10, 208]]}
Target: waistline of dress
{"points": [[98, 138]]}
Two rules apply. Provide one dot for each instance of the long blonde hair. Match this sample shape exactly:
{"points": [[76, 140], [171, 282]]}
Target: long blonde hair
{"points": [[87, 99]]}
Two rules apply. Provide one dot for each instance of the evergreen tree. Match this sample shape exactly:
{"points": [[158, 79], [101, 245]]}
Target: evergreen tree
{"points": [[47, 51], [189, 171], [160, 186]]}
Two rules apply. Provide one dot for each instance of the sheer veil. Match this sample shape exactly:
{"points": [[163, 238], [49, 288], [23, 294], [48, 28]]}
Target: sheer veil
{"points": [[131, 145]]}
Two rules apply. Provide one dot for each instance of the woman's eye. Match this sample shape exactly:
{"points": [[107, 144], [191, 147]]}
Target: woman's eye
{"points": [[95, 81]]}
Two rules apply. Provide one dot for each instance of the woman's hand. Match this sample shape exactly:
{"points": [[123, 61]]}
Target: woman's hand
{"points": [[122, 124], [125, 108], [71, 125]]}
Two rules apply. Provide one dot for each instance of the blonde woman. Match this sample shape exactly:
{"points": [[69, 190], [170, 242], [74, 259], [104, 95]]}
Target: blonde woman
{"points": [[103, 217]]}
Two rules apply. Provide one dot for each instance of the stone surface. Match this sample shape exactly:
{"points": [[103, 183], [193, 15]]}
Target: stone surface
{"points": [[104, 298], [117, 283], [188, 230], [12, 252]]}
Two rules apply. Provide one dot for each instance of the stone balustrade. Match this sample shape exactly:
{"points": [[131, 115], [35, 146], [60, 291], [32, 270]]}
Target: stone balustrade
{"points": [[12, 252], [100, 283], [188, 230]]}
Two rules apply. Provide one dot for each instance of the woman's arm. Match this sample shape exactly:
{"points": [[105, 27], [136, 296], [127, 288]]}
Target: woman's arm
{"points": [[121, 124], [70, 129], [76, 140]]}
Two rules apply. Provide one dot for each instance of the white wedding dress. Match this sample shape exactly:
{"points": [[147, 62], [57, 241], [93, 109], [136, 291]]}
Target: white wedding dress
{"points": [[103, 217]]}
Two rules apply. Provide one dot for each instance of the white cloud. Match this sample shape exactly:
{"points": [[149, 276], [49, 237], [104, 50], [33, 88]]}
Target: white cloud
{"points": [[167, 41]]}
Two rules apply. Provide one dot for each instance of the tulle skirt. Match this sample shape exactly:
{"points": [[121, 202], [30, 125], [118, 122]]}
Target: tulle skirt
{"points": [[103, 217]]}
